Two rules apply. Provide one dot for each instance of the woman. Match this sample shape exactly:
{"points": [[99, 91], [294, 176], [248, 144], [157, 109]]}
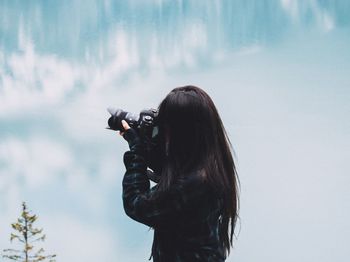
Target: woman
{"points": [[194, 207]]}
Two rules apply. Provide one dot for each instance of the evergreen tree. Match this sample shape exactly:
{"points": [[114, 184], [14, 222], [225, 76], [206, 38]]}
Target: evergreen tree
{"points": [[27, 235]]}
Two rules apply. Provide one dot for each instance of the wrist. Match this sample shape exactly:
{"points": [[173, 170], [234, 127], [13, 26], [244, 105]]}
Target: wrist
{"points": [[132, 137]]}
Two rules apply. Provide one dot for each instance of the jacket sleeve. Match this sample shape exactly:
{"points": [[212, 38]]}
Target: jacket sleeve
{"points": [[141, 203]]}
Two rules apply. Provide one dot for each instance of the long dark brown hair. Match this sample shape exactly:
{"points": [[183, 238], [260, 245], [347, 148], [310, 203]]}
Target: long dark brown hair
{"points": [[194, 138]]}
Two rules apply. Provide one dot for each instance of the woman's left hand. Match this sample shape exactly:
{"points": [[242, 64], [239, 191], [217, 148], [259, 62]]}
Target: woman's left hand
{"points": [[131, 136], [125, 126]]}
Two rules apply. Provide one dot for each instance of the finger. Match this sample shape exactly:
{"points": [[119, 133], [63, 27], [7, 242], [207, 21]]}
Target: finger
{"points": [[121, 133], [125, 125]]}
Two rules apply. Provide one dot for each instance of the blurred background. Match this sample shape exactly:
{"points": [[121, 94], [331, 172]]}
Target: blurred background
{"points": [[278, 72]]}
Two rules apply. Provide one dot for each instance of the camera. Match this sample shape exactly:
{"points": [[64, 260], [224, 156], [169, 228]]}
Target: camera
{"points": [[147, 127], [145, 123]]}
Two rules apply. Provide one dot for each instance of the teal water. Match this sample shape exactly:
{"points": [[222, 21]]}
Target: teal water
{"points": [[278, 72]]}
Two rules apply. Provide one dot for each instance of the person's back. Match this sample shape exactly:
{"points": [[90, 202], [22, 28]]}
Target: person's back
{"points": [[190, 208], [192, 234]]}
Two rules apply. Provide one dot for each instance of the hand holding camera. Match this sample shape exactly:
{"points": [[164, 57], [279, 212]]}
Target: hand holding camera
{"points": [[125, 126], [144, 127]]}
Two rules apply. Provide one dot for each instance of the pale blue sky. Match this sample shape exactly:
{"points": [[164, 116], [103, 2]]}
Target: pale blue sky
{"points": [[278, 71]]}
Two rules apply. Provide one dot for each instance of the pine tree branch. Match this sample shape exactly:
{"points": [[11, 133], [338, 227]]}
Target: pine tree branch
{"points": [[27, 234]]}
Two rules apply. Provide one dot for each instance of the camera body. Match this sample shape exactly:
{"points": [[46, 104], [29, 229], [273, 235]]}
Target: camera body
{"points": [[145, 123]]}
